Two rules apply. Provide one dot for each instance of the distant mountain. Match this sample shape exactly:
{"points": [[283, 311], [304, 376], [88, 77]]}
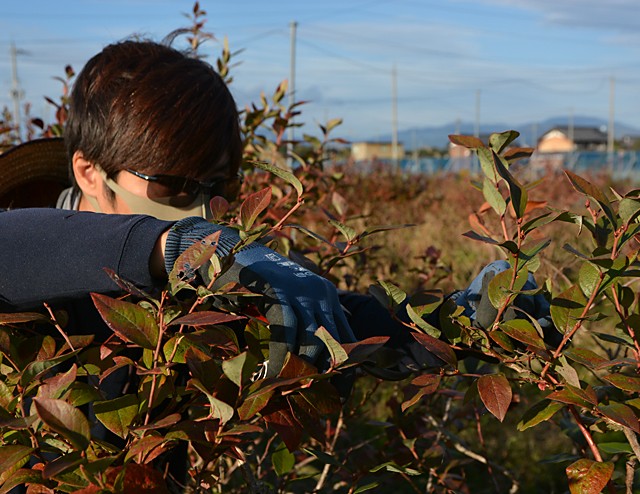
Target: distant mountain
{"points": [[436, 137]]}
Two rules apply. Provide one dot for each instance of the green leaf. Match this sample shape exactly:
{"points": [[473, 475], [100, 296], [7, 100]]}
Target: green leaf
{"points": [[588, 476], [495, 392], [588, 278], [252, 206], [615, 448], [282, 460], [393, 292], [421, 323], [367, 487], [567, 308], [500, 141], [219, 409], [628, 209], [118, 414], [537, 222], [285, 175], [338, 354], [585, 187], [485, 157], [257, 398], [480, 238], [12, 457], [129, 321], [34, 370], [64, 419], [240, 368], [538, 413], [493, 196], [499, 292], [519, 196], [348, 232], [522, 330]]}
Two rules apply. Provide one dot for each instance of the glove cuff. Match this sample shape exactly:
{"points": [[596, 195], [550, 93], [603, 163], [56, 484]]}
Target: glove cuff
{"points": [[190, 230]]}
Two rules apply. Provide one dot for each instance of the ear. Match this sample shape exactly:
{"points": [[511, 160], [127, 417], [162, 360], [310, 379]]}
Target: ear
{"points": [[86, 175]]}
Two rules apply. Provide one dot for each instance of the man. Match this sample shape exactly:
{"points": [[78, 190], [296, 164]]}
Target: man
{"points": [[154, 132]]}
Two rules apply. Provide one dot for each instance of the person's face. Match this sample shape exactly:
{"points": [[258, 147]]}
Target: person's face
{"points": [[132, 192]]}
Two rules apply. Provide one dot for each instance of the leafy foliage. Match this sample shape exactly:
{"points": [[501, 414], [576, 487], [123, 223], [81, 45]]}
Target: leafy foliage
{"points": [[194, 356]]}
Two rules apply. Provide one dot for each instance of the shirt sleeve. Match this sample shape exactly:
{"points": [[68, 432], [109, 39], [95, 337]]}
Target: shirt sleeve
{"points": [[52, 255]]}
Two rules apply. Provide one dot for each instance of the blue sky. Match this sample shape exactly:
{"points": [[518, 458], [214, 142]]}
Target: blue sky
{"points": [[522, 60]]}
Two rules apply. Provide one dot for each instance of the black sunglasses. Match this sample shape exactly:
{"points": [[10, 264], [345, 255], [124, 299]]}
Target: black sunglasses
{"points": [[227, 187]]}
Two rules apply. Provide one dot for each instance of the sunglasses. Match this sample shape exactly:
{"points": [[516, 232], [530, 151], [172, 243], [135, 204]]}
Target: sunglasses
{"points": [[227, 187]]}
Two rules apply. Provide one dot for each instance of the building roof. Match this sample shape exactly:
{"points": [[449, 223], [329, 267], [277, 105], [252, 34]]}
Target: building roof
{"points": [[581, 135]]}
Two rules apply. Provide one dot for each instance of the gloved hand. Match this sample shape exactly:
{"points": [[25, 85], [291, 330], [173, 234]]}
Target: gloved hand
{"points": [[478, 308], [295, 301]]}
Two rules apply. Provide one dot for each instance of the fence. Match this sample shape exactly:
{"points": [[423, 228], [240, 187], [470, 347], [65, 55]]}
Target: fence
{"points": [[621, 164]]}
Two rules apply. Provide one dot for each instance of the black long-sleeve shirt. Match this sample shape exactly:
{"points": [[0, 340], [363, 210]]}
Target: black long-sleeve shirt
{"points": [[58, 256]]}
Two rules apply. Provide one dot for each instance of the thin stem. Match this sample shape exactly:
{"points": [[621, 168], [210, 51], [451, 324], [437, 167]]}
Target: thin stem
{"points": [[330, 449], [575, 328], [585, 432]]}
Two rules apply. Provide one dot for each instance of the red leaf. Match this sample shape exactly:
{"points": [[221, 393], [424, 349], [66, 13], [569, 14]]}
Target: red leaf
{"points": [[129, 321], [439, 348], [295, 366], [219, 207], [575, 396], [626, 383], [469, 142], [420, 386], [359, 351], [64, 419], [20, 317], [588, 476], [206, 318], [496, 394], [253, 206], [621, 414], [140, 479], [282, 421]]}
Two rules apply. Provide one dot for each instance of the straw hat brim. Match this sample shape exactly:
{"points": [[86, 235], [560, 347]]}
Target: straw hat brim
{"points": [[39, 160]]}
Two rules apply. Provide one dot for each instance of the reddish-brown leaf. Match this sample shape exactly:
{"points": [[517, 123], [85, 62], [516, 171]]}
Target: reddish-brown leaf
{"points": [[588, 476], [626, 383], [495, 392], [359, 351], [469, 142], [129, 321], [621, 414], [253, 206], [575, 396], [422, 385], [205, 318], [282, 421], [439, 348]]}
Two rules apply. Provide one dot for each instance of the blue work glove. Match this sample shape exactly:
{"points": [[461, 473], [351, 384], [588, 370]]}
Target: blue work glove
{"points": [[295, 301], [478, 308]]}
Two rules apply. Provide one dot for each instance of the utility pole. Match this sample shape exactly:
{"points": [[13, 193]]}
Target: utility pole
{"points": [[476, 128], [394, 116], [16, 93], [611, 130], [292, 89]]}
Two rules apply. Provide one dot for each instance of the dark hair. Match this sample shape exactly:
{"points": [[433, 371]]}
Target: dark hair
{"points": [[150, 107]]}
